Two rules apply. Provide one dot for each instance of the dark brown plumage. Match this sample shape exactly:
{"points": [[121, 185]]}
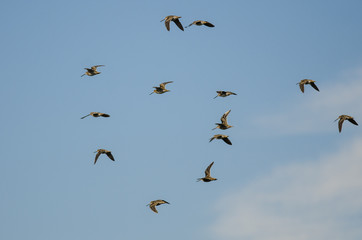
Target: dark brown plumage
{"points": [[92, 71], [96, 114], [200, 23], [161, 89], [174, 19], [306, 82], [207, 177], [223, 137], [155, 203], [224, 124], [341, 120], [103, 151], [224, 94]]}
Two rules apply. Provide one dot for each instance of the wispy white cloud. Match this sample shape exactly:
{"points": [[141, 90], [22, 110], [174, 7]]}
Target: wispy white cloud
{"points": [[316, 112], [315, 200]]}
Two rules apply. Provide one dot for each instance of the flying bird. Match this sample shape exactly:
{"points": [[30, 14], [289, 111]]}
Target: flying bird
{"points": [[162, 88], [341, 120], [224, 94], [174, 19], [306, 82], [200, 23], [103, 151], [155, 203], [207, 177], [224, 124], [223, 137], [92, 71], [96, 114]]}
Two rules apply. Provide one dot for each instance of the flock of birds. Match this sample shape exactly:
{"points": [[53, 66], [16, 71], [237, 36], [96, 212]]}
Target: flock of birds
{"points": [[341, 117], [161, 89]]}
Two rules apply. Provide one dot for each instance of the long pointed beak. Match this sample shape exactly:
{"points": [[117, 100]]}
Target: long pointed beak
{"points": [[336, 120], [151, 93], [216, 96], [95, 151]]}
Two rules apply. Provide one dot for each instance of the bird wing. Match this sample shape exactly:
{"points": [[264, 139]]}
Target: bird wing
{"points": [[104, 115], [351, 120], [97, 156], [163, 85], [224, 118], [207, 171], [232, 93], [163, 201], [109, 154], [301, 85], [227, 140], [208, 24], [167, 24], [314, 86], [340, 122], [95, 67], [153, 208], [178, 23]]}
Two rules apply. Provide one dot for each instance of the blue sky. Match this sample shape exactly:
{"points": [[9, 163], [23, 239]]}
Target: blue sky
{"points": [[289, 172]]}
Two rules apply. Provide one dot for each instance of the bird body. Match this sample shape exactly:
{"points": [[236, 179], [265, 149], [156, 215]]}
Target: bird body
{"points": [[223, 137], [161, 89], [174, 19], [96, 114], [155, 203], [200, 23], [306, 82], [103, 151], [224, 124], [224, 94], [207, 177], [341, 120], [92, 71]]}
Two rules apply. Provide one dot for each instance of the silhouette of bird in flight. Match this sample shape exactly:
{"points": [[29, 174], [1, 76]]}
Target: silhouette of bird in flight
{"points": [[103, 151], [306, 82], [341, 120], [174, 19], [224, 94], [223, 137], [92, 71], [162, 88], [96, 114], [200, 23], [224, 124], [207, 177], [155, 203]]}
